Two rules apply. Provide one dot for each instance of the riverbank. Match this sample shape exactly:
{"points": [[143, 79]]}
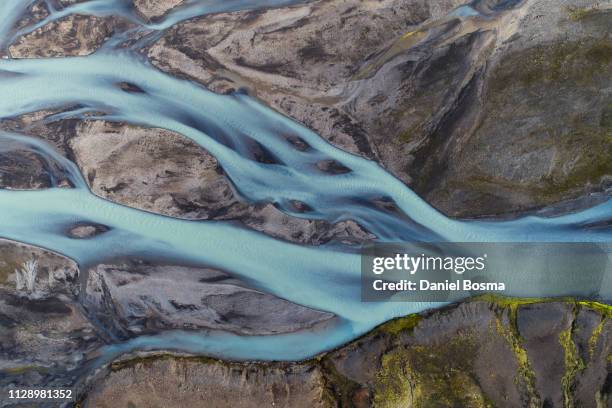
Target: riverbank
{"points": [[484, 352]]}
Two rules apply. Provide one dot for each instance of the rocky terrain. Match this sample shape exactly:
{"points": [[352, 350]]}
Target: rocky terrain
{"points": [[500, 107], [77, 34], [168, 174], [482, 353], [136, 298], [21, 168], [54, 273], [505, 111], [152, 10], [40, 321], [483, 115], [53, 318], [72, 35]]}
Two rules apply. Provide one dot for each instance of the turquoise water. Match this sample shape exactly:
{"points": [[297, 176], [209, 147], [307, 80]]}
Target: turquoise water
{"points": [[325, 278]]}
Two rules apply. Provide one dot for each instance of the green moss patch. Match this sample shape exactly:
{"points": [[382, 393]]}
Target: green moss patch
{"points": [[395, 384], [601, 308], [427, 376], [525, 374], [573, 365], [404, 324], [606, 313]]}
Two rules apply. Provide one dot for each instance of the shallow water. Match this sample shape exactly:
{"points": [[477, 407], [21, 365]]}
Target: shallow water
{"points": [[326, 278]]}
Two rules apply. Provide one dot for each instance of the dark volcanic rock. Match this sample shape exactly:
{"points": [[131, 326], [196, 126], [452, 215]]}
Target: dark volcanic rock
{"points": [[541, 326], [467, 355]]}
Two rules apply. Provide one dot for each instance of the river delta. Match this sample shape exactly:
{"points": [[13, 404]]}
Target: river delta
{"points": [[186, 186]]}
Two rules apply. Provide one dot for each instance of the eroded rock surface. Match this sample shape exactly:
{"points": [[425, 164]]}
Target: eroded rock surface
{"points": [[22, 169], [502, 112], [72, 35], [154, 9], [53, 322], [163, 172], [51, 273], [44, 333], [86, 230], [470, 355], [167, 173], [211, 383], [295, 59], [135, 298], [171, 175]]}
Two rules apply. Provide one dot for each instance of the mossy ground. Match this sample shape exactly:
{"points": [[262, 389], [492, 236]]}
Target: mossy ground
{"points": [[578, 61], [543, 100], [572, 361], [604, 310], [401, 324], [525, 376], [606, 313], [442, 375], [395, 383], [573, 365], [430, 376]]}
